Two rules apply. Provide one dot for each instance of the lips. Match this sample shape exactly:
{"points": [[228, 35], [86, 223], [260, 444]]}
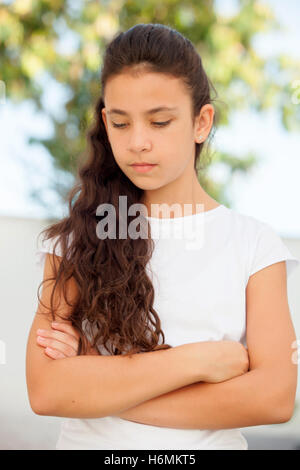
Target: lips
{"points": [[144, 167]]}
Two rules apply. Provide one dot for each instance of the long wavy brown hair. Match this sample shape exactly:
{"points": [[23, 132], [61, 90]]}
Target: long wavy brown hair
{"points": [[116, 294]]}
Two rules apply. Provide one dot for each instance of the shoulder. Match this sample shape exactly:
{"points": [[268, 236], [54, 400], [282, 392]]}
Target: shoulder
{"points": [[49, 245], [259, 243], [245, 224], [249, 229]]}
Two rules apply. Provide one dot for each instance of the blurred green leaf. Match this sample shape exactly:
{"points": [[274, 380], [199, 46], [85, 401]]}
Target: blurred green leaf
{"points": [[32, 34]]}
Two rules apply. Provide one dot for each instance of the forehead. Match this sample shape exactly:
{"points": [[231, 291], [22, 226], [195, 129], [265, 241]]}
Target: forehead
{"points": [[144, 93]]}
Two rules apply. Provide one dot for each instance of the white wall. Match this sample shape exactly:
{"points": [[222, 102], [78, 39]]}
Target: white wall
{"points": [[20, 428]]}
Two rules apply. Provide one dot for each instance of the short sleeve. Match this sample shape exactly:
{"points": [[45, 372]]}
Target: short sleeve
{"points": [[46, 246], [270, 249]]}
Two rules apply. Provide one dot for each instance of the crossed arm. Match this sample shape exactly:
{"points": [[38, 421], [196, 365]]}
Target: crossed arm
{"points": [[264, 395], [247, 400]]}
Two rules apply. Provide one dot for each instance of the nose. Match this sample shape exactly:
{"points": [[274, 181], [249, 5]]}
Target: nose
{"points": [[139, 139]]}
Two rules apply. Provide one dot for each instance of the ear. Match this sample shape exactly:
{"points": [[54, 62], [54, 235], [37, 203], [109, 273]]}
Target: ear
{"points": [[203, 123], [103, 112]]}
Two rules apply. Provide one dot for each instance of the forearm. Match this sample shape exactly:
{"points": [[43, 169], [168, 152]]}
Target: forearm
{"points": [[97, 386], [246, 400]]}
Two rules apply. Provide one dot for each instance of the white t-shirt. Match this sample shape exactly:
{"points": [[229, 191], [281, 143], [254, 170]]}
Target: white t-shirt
{"points": [[200, 288]]}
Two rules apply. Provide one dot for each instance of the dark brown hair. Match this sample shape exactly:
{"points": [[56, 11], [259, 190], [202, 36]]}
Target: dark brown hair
{"points": [[115, 293]]}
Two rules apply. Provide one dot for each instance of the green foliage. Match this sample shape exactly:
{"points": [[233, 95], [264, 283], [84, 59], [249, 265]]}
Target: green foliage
{"points": [[33, 31]]}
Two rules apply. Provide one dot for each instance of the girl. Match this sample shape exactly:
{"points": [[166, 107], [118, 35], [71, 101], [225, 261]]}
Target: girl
{"points": [[210, 282]]}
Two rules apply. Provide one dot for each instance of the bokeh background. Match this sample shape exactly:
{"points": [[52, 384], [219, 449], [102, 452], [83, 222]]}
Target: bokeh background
{"points": [[50, 60]]}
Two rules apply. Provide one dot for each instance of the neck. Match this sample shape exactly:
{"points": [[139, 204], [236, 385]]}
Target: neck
{"points": [[179, 193]]}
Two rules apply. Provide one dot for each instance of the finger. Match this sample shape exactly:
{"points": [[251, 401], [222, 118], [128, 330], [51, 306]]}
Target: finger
{"points": [[59, 336], [64, 348], [54, 354], [66, 327]]}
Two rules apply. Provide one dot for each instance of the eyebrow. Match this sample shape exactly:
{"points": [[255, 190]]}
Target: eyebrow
{"points": [[150, 111]]}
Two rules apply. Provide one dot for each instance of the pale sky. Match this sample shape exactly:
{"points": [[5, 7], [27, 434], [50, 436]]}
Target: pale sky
{"points": [[270, 193]]}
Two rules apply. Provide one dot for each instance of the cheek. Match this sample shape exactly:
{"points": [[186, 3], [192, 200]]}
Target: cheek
{"points": [[175, 160], [118, 152]]}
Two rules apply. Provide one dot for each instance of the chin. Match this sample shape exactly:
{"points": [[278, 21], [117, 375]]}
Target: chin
{"points": [[146, 185]]}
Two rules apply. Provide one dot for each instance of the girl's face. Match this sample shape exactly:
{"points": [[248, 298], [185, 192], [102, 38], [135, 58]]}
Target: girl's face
{"points": [[139, 133]]}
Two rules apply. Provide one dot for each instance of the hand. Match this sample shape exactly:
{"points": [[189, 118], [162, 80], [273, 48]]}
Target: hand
{"points": [[62, 341], [213, 361], [223, 360]]}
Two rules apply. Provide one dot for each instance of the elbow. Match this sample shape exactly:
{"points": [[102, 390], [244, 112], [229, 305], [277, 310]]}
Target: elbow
{"points": [[40, 404], [285, 413], [42, 410], [283, 410], [35, 405], [282, 415], [42, 394], [277, 397], [288, 400], [39, 411]]}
